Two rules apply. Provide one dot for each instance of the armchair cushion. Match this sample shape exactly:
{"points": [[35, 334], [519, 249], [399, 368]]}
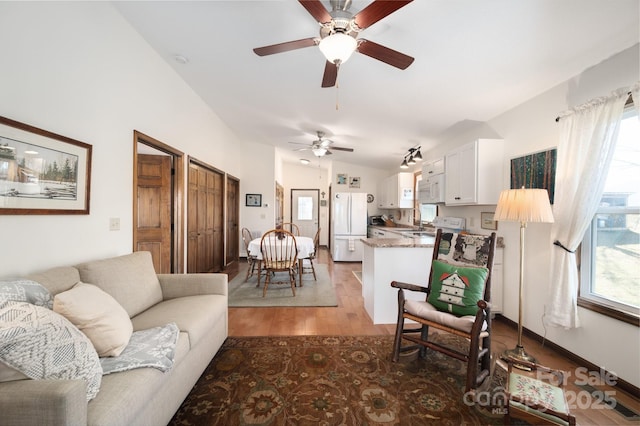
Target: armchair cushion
{"points": [[427, 311], [456, 289]]}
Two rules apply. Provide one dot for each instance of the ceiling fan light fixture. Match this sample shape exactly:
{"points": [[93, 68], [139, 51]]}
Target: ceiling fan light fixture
{"points": [[338, 47], [304, 161], [319, 151]]}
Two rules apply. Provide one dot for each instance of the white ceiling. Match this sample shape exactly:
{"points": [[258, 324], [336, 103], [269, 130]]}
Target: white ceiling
{"points": [[474, 59]]}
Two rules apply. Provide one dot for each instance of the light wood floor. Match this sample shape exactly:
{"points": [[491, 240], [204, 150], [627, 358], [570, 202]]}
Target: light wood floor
{"points": [[350, 318]]}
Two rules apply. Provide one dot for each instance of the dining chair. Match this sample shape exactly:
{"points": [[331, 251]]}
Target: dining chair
{"points": [[536, 395], [457, 301], [302, 269], [279, 254], [291, 227], [252, 260]]}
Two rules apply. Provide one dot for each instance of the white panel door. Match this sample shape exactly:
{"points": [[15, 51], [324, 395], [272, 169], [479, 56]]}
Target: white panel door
{"points": [[305, 210]]}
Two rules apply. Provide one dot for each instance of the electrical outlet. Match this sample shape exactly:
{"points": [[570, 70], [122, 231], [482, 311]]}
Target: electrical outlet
{"points": [[114, 224]]}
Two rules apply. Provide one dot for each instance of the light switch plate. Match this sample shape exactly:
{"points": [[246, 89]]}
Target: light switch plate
{"points": [[114, 224]]}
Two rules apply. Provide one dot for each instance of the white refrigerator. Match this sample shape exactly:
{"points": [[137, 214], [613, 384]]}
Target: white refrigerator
{"points": [[348, 226]]}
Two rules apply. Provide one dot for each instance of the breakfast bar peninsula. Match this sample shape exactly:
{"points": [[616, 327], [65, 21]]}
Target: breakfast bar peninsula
{"points": [[406, 259]]}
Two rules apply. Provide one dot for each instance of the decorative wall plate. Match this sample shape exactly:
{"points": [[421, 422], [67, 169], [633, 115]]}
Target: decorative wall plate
{"points": [[369, 198]]}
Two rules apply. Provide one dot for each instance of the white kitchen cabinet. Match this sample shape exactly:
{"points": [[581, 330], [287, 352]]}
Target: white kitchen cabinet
{"points": [[473, 173], [396, 192], [433, 167]]}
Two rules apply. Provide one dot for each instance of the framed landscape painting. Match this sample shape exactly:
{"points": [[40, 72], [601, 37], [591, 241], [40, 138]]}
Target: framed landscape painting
{"points": [[537, 170], [42, 172]]}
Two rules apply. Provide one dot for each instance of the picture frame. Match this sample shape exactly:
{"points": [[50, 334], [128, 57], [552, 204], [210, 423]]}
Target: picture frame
{"points": [[536, 170], [487, 222], [41, 172], [341, 179], [253, 200], [354, 182]]}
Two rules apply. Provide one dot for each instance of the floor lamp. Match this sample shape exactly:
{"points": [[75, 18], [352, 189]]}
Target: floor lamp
{"points": [[524, 206]]}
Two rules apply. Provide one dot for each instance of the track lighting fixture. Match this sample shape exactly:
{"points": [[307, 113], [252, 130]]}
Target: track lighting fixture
{"points": [[411, 157]]}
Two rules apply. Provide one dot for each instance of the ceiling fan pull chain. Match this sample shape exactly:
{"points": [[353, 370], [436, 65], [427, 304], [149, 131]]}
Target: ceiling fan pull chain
{"points": [[337, 94]]}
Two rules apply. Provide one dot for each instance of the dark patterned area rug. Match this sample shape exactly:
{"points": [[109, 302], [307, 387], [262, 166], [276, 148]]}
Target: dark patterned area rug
{"points": [[340, 380]]}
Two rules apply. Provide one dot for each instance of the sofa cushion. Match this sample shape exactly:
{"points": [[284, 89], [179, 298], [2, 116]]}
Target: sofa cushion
{"points": [[23, 290], [130, 279], [98, 315], [193, 314], [44, 345], [427, 311], [57, 279]]}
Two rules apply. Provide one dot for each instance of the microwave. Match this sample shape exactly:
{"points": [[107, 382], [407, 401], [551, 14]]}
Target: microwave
{"points": [[431, 189]]}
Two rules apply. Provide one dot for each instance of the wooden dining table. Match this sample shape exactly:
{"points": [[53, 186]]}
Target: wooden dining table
{"points": [[305, 247]]}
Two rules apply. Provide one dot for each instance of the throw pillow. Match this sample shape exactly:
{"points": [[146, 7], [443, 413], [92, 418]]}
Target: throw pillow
{"points": [[23, 290], [98, 315], [456, 289], [42, 344]]}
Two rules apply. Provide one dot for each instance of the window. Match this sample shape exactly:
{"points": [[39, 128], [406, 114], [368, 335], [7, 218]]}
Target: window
{"points": [[610, 251], [305, 208], [427, 211]]}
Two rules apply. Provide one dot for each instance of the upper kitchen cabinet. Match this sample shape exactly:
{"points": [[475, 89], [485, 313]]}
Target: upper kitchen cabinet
{"points": [[433, 167], [473, 173], [396, 192]]}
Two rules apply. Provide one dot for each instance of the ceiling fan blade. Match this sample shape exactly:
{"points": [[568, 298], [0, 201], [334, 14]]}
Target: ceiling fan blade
{"points": [[338, 148], [378, 10], [299, 143], [330, 75], [285, 47], [317, 10], [384, 54]]}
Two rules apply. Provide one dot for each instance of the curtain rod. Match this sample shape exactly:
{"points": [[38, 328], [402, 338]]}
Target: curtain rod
{"points": [[629, 100]]}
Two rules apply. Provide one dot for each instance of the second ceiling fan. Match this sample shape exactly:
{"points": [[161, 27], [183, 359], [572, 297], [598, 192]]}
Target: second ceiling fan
{"points": [[339, 31], [321, 146]]}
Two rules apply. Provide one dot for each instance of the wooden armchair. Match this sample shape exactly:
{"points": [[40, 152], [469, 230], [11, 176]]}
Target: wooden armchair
{"points": [[279, 254], [251, 259], [291, 227], [537, 396], [457, 301], [310, 269]]}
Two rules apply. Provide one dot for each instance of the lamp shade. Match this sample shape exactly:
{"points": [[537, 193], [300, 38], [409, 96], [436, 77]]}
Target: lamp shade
{"points": [[404, 164], [524, 205], [338, 47]]}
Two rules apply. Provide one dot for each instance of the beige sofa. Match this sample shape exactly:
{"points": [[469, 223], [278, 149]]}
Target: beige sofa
{"points": [[197, 303]]}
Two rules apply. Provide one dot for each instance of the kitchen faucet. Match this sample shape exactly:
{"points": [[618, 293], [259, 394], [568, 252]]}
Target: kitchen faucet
{"points": [[417, 209]]}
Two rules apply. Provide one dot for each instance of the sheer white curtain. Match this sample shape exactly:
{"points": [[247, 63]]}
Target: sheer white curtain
{"points": [[587, 141]]}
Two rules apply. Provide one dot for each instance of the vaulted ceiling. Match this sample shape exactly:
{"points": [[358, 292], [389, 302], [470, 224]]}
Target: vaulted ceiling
{"points": [[474, 59]]}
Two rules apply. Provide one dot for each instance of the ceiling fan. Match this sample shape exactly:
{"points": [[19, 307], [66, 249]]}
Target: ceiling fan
{"points": [[320, 147], [339, 31]]}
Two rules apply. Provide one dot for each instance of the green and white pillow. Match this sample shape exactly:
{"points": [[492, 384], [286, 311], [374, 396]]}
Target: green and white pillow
{"points": [[457, 289]]}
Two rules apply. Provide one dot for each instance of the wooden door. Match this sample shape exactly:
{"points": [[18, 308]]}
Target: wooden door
{"points": [[232, 219], [153, 221], [305, 210], [205, 241]]}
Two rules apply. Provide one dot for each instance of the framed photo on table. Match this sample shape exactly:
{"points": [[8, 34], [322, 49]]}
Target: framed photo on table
{"points": [[253, 200], [42, 172]]}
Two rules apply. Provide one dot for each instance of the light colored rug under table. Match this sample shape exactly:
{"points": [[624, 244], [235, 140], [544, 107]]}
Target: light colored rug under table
{"points": [[312, 293]]}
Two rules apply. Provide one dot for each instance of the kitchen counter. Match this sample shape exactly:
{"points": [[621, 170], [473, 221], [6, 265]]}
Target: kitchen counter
{"points": [[393, 259]]}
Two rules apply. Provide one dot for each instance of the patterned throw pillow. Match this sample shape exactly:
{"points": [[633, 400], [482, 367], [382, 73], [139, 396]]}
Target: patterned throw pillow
{"points": [[26, 291], [457, 289], [42, 344]]}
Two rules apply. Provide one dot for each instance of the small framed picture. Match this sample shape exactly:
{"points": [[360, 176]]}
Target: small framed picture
{"points": [[341, 179], [487, 222], [354, 182], [253, 200]]}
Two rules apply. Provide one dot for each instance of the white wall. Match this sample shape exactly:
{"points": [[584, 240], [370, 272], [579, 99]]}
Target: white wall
{"points": [[528, 128], [79, 70]]}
